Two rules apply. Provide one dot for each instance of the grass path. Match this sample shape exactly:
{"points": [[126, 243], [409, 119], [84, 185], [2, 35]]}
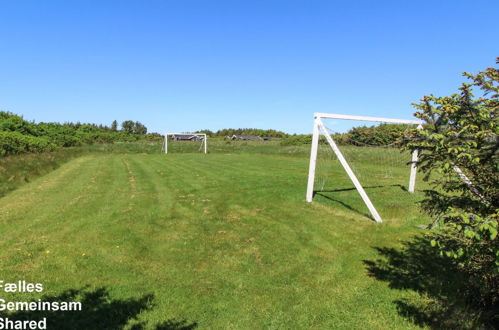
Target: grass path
{"points": [[218, 241]]}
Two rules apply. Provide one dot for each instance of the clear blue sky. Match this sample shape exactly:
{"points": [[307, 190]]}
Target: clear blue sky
{"points": [[187, 65]]}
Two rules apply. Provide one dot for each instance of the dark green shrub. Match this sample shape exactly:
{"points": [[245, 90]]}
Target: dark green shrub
{"points": [[295, 140], [36, 137], [12, 143], [381, 135], [461, 137]]}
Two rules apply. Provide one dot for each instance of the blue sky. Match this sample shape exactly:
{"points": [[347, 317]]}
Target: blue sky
{"points": [[187, 65]]}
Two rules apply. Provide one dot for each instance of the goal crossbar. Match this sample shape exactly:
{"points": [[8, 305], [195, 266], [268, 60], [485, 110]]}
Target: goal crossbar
{"points": [[365, 118], [320, 128], [204, 139]]}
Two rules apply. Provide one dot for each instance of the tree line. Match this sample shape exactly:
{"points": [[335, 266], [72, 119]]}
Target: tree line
{"points": [[379, 135], [18, 135], [244, 131]]}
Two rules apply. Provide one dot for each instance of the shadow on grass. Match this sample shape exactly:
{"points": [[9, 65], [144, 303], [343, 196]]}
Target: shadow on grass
{"points": [[365, 187], [327, 195], [345, 205], [447, 301], [99, 311]]}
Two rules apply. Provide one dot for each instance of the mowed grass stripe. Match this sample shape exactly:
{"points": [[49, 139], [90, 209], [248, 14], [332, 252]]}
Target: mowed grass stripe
{"points": [[282, 234], [223, 240], [86, 197], [265, 279]]}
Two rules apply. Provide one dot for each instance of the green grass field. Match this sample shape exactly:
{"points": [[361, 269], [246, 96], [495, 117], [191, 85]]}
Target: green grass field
{"points": [[214, 241]]}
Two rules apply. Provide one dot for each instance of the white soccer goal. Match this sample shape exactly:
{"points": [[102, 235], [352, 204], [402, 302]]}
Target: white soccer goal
{"points": [[320, 130], [191, 139]]}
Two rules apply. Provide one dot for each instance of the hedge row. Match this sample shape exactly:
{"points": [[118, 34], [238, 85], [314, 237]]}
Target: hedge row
{"points": [[12, 143], [294, 140], [20, 136], [381, 135]]}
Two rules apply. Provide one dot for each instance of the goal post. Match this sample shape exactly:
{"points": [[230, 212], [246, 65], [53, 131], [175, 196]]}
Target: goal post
{"points": [[319, 129], [186, 137]]}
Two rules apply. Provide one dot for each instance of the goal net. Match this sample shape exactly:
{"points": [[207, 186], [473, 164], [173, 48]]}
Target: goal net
{"points": [[185, 142], [360, 151]]}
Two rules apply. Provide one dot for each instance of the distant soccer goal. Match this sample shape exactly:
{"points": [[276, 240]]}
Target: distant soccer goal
{"points": [[185, 142], [368, 153]]}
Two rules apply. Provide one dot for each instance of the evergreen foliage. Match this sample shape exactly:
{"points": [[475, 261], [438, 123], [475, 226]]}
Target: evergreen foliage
{"points": [[461, 136]]}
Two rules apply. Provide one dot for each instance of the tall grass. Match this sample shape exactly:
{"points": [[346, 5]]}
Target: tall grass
{"points": [[17, 170]]}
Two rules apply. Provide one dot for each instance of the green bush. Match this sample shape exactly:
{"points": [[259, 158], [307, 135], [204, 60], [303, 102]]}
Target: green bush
{"points": [[295, 140], [20, 136], [13, 123], [245, 131], [12, 143], [381, 135], [461, 137]]}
